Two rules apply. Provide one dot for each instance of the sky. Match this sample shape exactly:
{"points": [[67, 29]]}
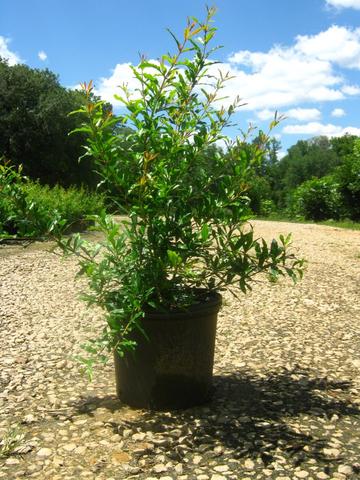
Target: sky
{"points": [[300, 58]]}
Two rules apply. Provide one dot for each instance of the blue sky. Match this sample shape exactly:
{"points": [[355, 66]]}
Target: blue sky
{"points": [[300, 57]]}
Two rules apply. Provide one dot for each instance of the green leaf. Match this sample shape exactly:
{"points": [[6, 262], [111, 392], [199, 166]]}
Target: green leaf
{"points": [[174, 257], [205, 232]]}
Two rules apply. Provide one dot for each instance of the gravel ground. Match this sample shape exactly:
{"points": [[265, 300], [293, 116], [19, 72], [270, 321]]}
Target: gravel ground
{"points": [[287, 378]]}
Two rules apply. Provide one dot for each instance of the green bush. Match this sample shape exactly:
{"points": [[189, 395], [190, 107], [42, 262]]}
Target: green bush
{"points": [[348, 177], [259, 191], [28, 209], [71, 204], [267, 208], [11, 195], [317, 199]]}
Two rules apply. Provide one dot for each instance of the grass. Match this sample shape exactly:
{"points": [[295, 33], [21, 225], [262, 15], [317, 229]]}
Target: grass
{"points": [[11, 440], [341, 224], [345, 223]]}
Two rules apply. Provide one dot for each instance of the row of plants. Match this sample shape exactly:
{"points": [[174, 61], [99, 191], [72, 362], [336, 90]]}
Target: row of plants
{"points": [[319, 179], [335, 196], [28, 209]]}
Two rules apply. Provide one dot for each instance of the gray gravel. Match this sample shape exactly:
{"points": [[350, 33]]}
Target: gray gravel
{"points": [[287, 378]]}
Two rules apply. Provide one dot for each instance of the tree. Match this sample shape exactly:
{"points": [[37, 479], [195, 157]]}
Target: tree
{"points": [[317, 199], [344, 145], [307, 159], [264, 181], [269, 159], [259, 191], [34, 126], [348, 177]]}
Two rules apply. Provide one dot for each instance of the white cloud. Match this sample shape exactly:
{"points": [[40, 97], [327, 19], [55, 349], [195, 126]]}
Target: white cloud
{"points": [[316, 128], [285, 77], [304, 72], [266, 114], [42, 56], [10, 56], [304, 114], [222, 144], [281, 78], [301, 114], [339, 45], [338, 112], [350, 131], [344, 4], [351, 89], [109, 86], [312, 128]]}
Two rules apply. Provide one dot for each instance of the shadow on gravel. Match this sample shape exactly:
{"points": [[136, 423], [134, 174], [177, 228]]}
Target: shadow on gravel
{"points": [[88, 405], [254, 417]]}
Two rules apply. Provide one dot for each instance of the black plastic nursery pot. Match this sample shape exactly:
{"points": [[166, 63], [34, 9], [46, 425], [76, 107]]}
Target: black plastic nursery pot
{"points": [[173, 368]]}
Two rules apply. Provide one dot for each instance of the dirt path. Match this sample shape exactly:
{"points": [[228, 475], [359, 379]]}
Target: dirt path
{"points": [[287, 377]]}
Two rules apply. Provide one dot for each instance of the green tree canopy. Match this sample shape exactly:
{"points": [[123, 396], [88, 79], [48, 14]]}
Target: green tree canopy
{"points": [[348, 177], [344, 145], [307, 159], [34, 126]]}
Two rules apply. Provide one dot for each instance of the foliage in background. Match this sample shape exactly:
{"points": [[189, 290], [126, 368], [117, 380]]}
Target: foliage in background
{"points": [[348, 177], [318, 179], [259, 193], [34, 126], [334, 196], [11, 193], [305, 160], [28, 209], [317, 199]]}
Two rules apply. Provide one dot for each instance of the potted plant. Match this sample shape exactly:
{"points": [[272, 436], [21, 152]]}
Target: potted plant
{"points": [[159, 272]]}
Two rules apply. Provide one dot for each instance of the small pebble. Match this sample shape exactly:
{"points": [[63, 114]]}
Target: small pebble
{"points": [[345, 469], [44, 452], [221, 468]]}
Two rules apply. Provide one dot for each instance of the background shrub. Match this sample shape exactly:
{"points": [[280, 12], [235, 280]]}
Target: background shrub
{"points": [[267, 208], [259, 191], [348, 177], [317, 199], [11, 195], [28, 209]]}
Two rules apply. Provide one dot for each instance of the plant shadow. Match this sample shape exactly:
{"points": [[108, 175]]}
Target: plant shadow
{"points": [[259, 417]]}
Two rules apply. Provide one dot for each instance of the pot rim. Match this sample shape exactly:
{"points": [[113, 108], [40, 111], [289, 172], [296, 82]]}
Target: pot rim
{"points": [[211, 303]]}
